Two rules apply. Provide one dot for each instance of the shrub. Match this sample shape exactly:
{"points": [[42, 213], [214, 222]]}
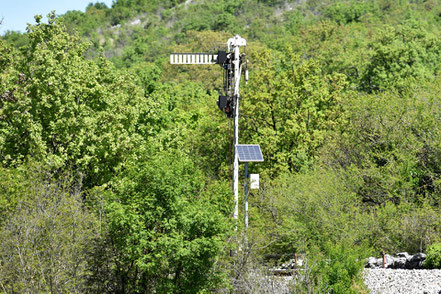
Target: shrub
{"points": [[46, 238], [433, 259], [343, 266], [336, 268]]}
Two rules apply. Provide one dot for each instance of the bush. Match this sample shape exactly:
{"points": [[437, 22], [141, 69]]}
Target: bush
{"points": [[46, 238], [336, 268], [433, 259], [343, 266]]}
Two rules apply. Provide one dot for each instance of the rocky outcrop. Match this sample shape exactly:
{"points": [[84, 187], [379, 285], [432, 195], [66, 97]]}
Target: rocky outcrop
{"points": [[402, 260]]}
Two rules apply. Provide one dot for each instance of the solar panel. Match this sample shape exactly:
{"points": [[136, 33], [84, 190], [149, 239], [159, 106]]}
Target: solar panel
{"points": [[249, 153]]}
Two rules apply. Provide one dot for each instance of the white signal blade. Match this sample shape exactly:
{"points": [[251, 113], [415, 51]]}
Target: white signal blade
{"points": [[193, 58]]}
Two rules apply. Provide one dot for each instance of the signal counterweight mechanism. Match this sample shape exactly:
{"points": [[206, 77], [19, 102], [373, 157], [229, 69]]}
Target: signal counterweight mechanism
{"points": [[228, 99]]}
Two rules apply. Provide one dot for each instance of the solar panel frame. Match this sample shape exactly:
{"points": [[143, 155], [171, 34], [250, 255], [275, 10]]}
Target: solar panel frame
{"points": [[249, 153]]}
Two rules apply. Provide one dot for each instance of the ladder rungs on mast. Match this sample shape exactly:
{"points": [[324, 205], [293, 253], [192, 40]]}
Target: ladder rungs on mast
{"points": [[193, 58]]}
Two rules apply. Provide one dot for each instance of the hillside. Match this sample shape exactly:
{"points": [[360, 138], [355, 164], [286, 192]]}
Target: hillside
{"points": [[116, 167]]}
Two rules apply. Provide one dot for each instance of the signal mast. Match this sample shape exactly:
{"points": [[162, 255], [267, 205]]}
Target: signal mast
{"points": [[233, 64]]}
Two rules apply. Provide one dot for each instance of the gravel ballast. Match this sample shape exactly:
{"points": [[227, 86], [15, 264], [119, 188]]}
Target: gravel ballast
{"points": [[395, 281]]}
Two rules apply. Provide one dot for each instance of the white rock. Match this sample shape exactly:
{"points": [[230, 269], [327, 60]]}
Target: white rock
{"points": [[388, 281]]}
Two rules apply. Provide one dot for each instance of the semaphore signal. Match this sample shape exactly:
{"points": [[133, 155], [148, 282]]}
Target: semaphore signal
{"points": [[234, 64]]}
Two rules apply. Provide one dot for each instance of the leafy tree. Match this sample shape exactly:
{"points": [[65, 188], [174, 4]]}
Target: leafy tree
{"points": [[147, 76], [404, 227], [166, 237], [12, 183], [337, 48], [87, 22], [64, 110], [390, 143], [400, 55], [307, 210], [15, 38], [349, 11], [288, 108]]}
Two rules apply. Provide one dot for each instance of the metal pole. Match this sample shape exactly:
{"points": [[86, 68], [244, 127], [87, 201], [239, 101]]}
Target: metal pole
{"points": [[236, 163], [246, 195], [235, 43]]}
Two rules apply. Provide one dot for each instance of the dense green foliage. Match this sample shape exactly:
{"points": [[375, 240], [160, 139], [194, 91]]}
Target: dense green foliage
{"points": [[115, 166], [56, 106], [433, 259], [289, 107], [162, 227]]}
